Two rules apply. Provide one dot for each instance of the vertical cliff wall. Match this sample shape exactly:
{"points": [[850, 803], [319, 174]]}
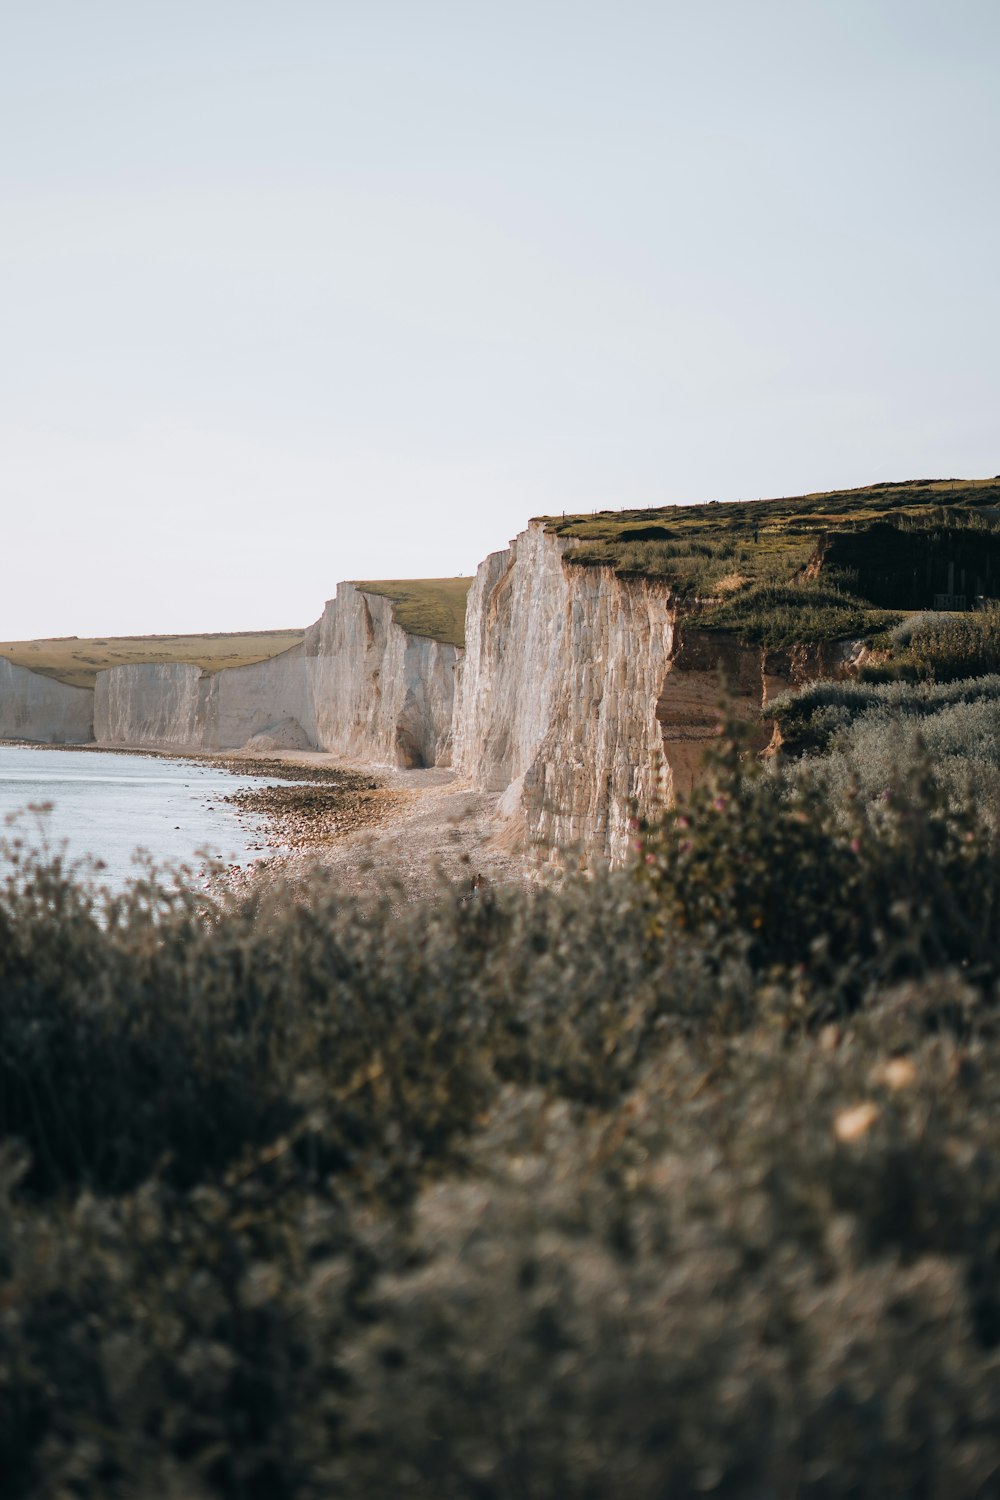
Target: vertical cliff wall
{"points": [[381, 693], [359, 685], [247, 701], [557, 693], [34, 707], [178, 706], [583, 692], [151, 705]]}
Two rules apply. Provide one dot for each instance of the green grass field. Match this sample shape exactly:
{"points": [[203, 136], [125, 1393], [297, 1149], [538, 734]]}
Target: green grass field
{"points": [[433, 607], [76, 660]]}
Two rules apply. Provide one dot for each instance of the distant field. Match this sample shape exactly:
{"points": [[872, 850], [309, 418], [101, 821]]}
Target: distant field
{"points": [[76, 660], [432, 607]]}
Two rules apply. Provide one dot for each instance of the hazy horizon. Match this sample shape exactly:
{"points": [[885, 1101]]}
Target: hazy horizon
{"points": [[291, 296]]}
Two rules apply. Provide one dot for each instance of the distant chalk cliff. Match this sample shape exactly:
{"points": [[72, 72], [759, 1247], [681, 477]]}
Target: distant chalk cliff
{"points": [[359, 685], [42, 710], [580, 694]]}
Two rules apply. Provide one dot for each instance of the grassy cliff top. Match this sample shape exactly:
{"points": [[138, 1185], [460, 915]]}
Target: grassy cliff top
{"points": [[76, 660], [873, 547], [433, 607]]}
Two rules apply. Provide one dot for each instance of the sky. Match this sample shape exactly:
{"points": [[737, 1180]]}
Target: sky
{"points": [[320, 289]]}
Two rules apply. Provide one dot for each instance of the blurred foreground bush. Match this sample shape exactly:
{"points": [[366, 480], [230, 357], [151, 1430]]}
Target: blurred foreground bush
{"points": [[847, 889], [683, 1181]]}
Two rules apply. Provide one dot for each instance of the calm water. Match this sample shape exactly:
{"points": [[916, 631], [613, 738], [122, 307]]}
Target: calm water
{"points": [[107, 806]]}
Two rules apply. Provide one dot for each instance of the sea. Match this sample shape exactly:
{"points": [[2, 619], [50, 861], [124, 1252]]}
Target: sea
{"points": [[106, 807]]}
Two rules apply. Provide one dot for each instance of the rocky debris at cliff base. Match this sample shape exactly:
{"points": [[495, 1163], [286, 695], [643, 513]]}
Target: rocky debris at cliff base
{"points": [[287, 734], [314, 814], [411, 831], [278, 768], [443, 835]]}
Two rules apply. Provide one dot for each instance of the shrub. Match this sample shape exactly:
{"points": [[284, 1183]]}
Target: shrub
{"points": [[677, 1181], [809, 717], [841, 886], [774, 615], [940, 648], [759, 1266]]}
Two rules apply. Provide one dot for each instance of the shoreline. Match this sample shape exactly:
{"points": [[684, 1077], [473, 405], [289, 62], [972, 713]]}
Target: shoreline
{"points": [[371, 828]]}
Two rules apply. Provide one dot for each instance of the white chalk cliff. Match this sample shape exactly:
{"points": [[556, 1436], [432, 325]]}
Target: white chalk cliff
{"points": [[557, 692], [579, 694], [381, 694], [359, 685], [146, 705], [37, 708], [176, 706], [584, 694]]}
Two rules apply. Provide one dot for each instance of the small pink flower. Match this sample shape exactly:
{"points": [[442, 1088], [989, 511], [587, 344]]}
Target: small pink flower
{"points": [[637, 845], [720, 804], [855, 846], [651, 859], [682, 822]]}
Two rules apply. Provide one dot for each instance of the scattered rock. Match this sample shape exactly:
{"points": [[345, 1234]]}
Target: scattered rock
{"points": [[312, 814]]}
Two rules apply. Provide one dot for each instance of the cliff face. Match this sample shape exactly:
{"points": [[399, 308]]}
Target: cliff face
{"points": [[558, 690], [580, 693], [177, 706], [247, 701], [712, 672], [151, 705], [381, 694], [359, 686], [33, 707]]}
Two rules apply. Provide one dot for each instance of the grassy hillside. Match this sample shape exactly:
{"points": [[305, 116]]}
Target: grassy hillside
{"points": [[432, 607], [77, 659], [747, 565]]}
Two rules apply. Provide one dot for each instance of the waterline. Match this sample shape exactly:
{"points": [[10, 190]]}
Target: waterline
{"points": [[107, 806]]}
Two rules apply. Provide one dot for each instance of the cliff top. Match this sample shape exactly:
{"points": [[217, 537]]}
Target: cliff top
{"points": [[432, 607], [808, 567], [77, 660]]}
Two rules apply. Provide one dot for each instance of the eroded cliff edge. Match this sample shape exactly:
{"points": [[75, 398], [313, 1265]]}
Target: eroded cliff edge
{"points": [[380, 693], [712, 675]]}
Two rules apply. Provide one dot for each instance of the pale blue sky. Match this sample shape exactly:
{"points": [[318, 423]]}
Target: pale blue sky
{"points": [[303, 291]]}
